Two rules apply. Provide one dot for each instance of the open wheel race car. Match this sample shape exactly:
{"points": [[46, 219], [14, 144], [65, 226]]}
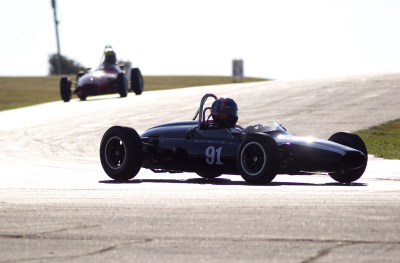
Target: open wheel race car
{"points": [[108, 78], [258, 153]]}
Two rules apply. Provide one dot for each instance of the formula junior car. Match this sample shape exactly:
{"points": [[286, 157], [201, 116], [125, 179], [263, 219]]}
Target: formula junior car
{"points": [[108, 78], [258, 153]]}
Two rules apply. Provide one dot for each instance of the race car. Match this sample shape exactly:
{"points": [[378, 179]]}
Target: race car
{"points": [[108, 78], [216, 145]]}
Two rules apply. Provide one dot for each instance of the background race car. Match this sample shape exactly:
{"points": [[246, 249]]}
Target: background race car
{"points": [[108, 78]]}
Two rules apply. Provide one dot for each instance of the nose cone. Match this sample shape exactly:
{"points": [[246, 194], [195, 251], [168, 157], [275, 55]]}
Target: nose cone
{"points": [[353, 159]]}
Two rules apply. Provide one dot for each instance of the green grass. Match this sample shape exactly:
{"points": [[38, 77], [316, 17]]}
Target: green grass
{"points": [[16, 92], [383, 140]]}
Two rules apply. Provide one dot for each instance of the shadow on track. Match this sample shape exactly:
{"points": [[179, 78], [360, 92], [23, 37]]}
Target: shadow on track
{"points": [[222, 181], [95, 98]]}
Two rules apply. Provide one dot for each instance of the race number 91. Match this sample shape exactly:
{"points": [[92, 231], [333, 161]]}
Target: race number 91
{"points": [[211, 153]]}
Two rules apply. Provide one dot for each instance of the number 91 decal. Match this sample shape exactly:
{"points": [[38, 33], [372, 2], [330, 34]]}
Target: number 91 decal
{"points": [[211, 153]]}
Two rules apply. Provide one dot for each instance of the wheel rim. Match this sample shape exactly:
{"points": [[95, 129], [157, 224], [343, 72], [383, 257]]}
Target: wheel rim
{"points": [[253, 158], [115, 153]]}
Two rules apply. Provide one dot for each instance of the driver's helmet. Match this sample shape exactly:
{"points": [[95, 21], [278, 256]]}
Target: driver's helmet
{"points": [[224, 112], [110, 57]]}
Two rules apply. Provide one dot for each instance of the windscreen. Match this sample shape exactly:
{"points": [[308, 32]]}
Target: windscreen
{"points": [[264, 127]]}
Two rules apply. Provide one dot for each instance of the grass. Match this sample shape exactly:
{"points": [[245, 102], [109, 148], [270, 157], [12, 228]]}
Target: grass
{"points": [[16, 92], [383, 140]]}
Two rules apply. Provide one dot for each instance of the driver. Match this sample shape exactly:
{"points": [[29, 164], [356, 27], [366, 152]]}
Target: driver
{"points": [[224, 112], [110, 61], [110, 57]]}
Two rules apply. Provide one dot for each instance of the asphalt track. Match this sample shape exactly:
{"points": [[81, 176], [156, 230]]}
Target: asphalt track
{"points": [[57, 204]]}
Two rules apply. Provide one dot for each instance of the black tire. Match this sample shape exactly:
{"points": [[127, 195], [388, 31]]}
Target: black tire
{"points": [[122, 85], [136, 81], [354, 141], [209, 175], [65, 89], [258, 158], [121, 153]]}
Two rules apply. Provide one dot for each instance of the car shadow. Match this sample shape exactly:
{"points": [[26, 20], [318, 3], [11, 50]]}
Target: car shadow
{"points": [[101, 98], [223, 181]]}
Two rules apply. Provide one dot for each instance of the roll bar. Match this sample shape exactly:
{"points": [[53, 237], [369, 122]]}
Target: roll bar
{"points": [[200, 109]]}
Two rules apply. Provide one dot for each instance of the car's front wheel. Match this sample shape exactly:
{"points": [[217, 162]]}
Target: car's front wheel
{"points": [[121, 153], [136, 81], [65, 89], [258, 158], [354, 141]]}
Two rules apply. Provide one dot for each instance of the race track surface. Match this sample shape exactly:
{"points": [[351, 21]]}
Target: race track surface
{"points": [[58, 205]]}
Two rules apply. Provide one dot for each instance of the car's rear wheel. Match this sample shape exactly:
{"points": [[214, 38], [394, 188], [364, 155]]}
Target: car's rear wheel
{"points": [[258, 158], [65, 89], [209, 175], [354, 141], [136, 81], [121, 153], [122, 85]]}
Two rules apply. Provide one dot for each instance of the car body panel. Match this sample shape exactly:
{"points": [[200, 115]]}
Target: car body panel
{"points": [[171, 130], [182, 147], [185, 150], [101, 81]]}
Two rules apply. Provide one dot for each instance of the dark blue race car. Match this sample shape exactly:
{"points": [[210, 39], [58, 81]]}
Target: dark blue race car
{"points": [[203, 146]]}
